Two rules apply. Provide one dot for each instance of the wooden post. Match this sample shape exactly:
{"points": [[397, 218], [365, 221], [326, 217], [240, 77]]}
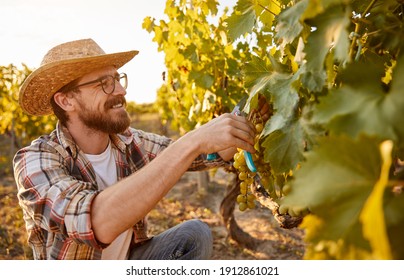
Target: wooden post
{"points": [[203, 182]]}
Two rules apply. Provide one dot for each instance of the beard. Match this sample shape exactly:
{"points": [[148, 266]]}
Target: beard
{"points": [[102, 121]]}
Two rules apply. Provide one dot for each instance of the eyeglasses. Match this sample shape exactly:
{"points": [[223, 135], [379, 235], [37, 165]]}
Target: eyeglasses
{"points": [[108, 82]]}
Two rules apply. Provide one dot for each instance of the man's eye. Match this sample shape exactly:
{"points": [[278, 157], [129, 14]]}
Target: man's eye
{"points": [[104, 82]]}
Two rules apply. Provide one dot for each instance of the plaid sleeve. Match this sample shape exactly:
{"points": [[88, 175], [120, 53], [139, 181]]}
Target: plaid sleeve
{"points": [[202, 163], [51, 198], [153, 144]]}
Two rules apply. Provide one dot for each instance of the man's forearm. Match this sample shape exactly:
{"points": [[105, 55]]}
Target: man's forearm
{"points": [[122, 205]]}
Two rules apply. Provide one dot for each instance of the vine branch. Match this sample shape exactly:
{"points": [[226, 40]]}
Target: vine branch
{"points": [[266, 9], [284, 220], [357, 29]]}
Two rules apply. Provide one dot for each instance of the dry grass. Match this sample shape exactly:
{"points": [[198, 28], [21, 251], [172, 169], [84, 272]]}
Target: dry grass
{"points": [[13, 236]]}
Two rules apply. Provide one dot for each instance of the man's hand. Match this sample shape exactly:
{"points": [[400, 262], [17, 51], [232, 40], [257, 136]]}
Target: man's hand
{"points": [[225, 132], [264, 112]]}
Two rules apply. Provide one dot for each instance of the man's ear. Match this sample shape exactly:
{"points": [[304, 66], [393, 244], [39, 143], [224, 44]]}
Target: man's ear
{"points": [[64, 101]]}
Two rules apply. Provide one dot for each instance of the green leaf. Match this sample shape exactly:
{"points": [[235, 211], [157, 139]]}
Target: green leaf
{"points": [[277, 86], [212, 5], [283, 133], [284, 95], [331, 31], [202, 79], [394, 215], [190, 53], [317, 7], [289, 25], [334, 184], [267, 10], [242, 19], [362, 105], [255, 70], [284, 144]]}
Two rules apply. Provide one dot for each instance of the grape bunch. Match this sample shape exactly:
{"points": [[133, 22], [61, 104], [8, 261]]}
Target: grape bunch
{"points": [[246, 199]]}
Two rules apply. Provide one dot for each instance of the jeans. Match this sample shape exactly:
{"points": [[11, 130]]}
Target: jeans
{"points": [[190, 240]]}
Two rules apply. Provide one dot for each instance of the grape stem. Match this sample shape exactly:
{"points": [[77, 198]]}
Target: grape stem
{"points": [[285, 220]]}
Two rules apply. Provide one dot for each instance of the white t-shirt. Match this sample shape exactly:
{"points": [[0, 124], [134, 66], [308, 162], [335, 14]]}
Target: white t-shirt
{"points": [[105, 170]]}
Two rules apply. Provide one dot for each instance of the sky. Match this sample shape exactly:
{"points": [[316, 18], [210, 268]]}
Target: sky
{"points": [[29, 28]]}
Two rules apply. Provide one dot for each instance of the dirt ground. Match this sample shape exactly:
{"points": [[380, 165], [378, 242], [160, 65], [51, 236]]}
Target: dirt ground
{"points": [[186, 201]]}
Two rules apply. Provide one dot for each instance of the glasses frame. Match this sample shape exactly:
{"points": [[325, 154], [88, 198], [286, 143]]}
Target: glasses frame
{"points": [[116, 78]]}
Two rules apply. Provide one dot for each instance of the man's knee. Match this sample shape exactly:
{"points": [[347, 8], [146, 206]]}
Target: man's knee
{"points": [[201, 235], [198, 228]]}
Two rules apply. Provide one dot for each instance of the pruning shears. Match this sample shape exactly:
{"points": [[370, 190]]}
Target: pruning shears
{"points": [[247, 155]]}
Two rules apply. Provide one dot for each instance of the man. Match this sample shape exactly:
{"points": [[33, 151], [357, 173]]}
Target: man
{"points": [[86, 188]]}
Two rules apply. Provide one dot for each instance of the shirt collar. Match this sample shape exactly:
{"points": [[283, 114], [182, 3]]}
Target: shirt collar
{"points": [[121, 141]]}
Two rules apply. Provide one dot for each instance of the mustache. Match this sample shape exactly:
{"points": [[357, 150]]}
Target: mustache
{"points": [[115, 100]]}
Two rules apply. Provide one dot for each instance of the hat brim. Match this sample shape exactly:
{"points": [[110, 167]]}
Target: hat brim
{"points": [[41, 84]]}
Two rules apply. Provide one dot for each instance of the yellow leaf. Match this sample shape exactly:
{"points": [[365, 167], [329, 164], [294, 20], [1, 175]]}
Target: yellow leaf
{"points": [[372, 215]]}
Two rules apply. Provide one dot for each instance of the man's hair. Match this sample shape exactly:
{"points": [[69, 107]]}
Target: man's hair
{"points": [[57, 110]]}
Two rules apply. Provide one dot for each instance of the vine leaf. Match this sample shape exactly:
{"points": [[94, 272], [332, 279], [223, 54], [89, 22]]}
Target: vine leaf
{"points": [[254, 71], [372, 215], [289, 25], [202, 79], [283, 145], [245, 14], [284, 137], [362, 105], [334, 184], [283, 133], [242, 19], [315, 8], [330, 32], [210, 6], [277, 86]]}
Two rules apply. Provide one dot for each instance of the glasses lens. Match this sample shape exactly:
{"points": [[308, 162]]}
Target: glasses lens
{"points": [[123, 80], [108, 84]]}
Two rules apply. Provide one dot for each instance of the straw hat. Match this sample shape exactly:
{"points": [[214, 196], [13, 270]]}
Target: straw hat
{"points": [[62, 65]]}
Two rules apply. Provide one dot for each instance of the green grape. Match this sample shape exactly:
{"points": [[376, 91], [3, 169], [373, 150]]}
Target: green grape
{"points": [[241, 157], [250, 197], [247, 200], [243, 168], [294, 211], [241, 198], [257, 147], [286, 189], [242, 175], [248, 180], [283, 209], [297, 211], [242, 206], [251, 204]]}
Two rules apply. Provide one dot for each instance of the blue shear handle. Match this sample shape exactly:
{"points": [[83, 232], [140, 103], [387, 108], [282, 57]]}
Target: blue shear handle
{"points": [[211, 156], [249, 161]]}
